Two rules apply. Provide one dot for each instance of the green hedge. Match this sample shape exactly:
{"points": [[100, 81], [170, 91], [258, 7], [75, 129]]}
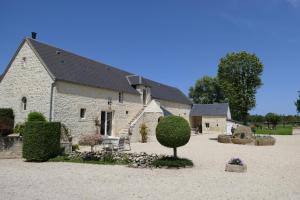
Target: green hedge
{"points": [[36, 117], [41, 140], [6, 121]]}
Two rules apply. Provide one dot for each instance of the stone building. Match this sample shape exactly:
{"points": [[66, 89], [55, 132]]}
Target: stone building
{"points": [[212, 118], [86, 95]]}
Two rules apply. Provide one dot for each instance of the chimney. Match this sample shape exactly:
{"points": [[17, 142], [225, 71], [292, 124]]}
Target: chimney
{"points": [[33, 35]]}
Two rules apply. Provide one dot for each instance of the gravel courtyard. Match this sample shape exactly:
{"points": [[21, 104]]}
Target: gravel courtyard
{"points": [[273, 173]]}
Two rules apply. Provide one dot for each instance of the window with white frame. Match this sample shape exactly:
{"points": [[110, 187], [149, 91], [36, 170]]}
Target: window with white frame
{"points": [[121, 97], [82, 113]]}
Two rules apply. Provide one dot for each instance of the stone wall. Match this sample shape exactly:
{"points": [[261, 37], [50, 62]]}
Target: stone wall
{"points": [[70, 98], [217, 124], [28, 78], [151, 120], [10, 147], [177, 109]]}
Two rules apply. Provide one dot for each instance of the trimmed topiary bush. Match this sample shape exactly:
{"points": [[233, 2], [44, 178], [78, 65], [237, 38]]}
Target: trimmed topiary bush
{"points": [[6, 121], [173, 132], [41, 141], [36, 117]]}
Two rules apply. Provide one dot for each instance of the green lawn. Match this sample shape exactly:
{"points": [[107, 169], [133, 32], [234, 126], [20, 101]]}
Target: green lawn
{"points": [[280, 130]]}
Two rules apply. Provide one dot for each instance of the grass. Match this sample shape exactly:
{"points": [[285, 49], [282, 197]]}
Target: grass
{"points": [[100, 162], [280, 130], [172, 162]]}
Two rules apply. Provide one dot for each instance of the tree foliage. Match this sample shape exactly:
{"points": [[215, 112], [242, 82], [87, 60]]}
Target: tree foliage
{"points": [[239, 76], [36, 117], [173, 132], [297, 104], [273, 119], [207, 90]]}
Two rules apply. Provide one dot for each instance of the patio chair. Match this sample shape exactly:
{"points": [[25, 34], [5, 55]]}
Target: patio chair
{"points": [[121, 145]]}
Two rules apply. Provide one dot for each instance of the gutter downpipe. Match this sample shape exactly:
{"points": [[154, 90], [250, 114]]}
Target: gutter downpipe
{"points": [[51, 102]]}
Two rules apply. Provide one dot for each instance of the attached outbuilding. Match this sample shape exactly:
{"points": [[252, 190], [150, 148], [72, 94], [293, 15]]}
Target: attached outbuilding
{"points": [[212, 118]]}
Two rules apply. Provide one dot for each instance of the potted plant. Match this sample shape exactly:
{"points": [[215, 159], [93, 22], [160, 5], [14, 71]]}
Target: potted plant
{"points": [[236, 165]]}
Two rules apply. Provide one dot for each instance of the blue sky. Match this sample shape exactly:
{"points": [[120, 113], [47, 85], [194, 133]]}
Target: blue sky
{"points": [[171, 41]]}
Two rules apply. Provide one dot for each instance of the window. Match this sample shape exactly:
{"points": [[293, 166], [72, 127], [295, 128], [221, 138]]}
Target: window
{"points": [[24, 103], [121, 97], [127, 112], [207, 125], [82, 113], [24, 62]]}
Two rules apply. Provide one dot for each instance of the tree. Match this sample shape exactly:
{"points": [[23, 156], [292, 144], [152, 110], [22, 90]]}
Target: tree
{"points": [[297, 104], [257, 119], [273, 119], [239, 77], [207, 90], [173, 132], [90, 140]]}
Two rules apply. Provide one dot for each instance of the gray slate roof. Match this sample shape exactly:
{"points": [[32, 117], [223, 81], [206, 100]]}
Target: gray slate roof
{"points": [[66, 66], [216, 109]]}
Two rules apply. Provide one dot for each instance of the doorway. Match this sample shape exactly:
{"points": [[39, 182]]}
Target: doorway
{"points": [[106, 123]]}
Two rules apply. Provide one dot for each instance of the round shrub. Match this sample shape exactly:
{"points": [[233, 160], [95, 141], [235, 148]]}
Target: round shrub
{"points": [[36, 117], [173, 132], [224, 138]]}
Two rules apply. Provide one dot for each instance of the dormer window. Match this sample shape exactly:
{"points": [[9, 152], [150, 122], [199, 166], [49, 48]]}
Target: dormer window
{"points": [[24, 103], [121, 97]]}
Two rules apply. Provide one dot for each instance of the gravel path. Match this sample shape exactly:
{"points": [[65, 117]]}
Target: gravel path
{"points": [[273, 173]]}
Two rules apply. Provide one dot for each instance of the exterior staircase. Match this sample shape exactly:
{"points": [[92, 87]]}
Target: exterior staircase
{"points": [[137, 116]]}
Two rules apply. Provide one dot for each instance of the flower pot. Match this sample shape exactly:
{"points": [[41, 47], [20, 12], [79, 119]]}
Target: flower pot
{"points": [[236, 168]]}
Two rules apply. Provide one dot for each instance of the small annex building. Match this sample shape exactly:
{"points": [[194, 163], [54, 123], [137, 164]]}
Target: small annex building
{"points": [[212, 118]]}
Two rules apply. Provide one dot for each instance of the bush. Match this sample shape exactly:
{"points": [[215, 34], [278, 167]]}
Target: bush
{"points": [[19, 128], [75, 147], [264, 140], [36, 117], [144, 132], [172, 162], [6, 121], [173, 132], [41, 140], [90, 140], [224, 138]]}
